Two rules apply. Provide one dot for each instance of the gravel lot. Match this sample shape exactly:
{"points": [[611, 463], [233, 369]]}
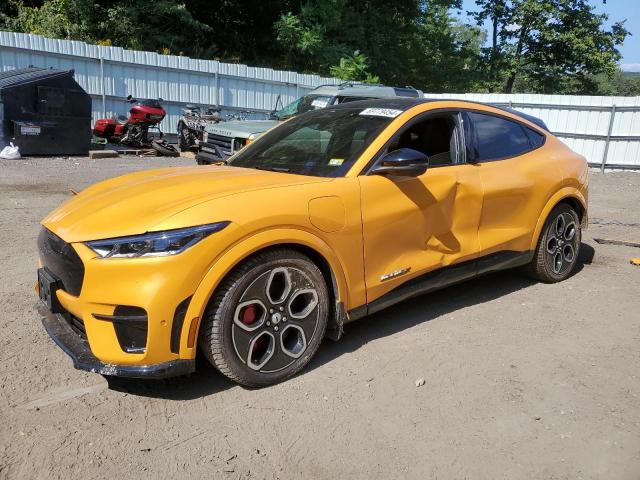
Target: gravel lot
{"points": [[522, 380]]}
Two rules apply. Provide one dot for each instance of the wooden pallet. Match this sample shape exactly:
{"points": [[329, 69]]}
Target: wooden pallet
{"points": [[138, 152]]}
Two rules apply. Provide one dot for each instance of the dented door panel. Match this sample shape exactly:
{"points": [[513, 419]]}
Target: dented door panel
{"points": [[515, 192], [415, 225]]}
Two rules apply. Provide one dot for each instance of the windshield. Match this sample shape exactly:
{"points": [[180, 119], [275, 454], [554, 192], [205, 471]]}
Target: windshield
{"points": [[324, 143], [303, 104], [148, 102]]}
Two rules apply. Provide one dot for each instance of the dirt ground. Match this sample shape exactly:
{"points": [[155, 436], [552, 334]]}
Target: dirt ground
{"points": [[522, 380]]}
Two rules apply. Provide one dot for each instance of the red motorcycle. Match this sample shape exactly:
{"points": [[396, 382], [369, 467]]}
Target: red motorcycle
{"points": [[134, 130]]}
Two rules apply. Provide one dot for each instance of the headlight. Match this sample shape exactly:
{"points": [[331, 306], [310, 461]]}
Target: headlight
{"points": [[155, 244], [251, 138]]}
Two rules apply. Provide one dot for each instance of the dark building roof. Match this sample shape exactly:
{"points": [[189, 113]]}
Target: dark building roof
{"points": [[12, 78]]}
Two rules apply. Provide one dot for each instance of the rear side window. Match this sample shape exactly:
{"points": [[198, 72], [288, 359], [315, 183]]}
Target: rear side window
{"points": [[536, 139], [498, 138]]}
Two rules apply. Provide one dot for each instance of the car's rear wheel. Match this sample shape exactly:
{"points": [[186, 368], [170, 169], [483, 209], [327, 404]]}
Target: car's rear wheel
{"points": [[267, 318], [558, 247]]}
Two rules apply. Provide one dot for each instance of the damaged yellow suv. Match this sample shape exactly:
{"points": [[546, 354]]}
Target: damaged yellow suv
{"points": [[328, 217]]}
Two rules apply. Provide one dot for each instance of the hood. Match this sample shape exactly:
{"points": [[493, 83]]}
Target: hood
{"points": [[241, 129], [135, 203]]}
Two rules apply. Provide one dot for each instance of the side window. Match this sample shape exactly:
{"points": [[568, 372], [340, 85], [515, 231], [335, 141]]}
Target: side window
{"points": [[437, 137], [536, 139], [498, 138]]}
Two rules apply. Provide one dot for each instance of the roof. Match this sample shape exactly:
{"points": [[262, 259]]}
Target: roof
{"points": [[12, 78], [366, 90], [404, 103]]}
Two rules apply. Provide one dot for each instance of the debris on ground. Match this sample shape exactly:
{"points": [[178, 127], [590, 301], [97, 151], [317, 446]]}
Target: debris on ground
{"points": [[103, 154], [420, 382], [624, 243]]}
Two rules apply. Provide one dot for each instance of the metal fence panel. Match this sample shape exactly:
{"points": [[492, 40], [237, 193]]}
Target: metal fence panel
{"points": [[600, 128], [109, 74]]}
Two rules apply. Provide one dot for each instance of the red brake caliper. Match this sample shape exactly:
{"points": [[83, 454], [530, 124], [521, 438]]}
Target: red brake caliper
{"points": [[249, 314]]}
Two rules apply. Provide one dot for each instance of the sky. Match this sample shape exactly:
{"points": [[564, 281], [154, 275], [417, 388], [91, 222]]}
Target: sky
{"points": [[617, 10]]}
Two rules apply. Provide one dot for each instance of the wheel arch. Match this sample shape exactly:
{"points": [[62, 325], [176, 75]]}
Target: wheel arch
{"points": [[568, 195], [304, 242]]}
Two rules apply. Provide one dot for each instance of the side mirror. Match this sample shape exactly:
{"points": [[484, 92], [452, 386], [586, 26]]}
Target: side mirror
{"points": [[405, 162]]}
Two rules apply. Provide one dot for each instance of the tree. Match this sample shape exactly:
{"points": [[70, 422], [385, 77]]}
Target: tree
{"points": [[548, 46], [407, 42], [354, 67], [623, 84], [70, 19], [160, 25]]}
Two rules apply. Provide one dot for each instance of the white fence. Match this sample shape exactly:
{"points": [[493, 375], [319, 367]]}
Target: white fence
{"points": [[606, 130], [109, 74]]}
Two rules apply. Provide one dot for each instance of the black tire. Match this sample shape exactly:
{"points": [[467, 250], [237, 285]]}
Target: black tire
{"points": [[244, 356], [558, 248], [183, 137], [164, 149]]}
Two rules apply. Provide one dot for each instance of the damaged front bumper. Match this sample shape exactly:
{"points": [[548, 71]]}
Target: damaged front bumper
{"points": [[61, 332]]}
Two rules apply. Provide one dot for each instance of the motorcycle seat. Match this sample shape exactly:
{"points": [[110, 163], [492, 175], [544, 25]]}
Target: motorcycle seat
{"points": [[121, 119]]}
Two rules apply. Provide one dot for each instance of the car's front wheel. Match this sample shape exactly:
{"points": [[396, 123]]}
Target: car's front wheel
{"points": [[267, 319], [558, 247]]}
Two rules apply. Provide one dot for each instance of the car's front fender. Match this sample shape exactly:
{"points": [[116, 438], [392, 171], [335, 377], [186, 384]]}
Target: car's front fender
{"points": [[240, 251]]}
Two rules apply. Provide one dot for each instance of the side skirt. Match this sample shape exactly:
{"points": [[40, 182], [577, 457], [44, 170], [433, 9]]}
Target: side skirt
{"points": [[444, 277]]}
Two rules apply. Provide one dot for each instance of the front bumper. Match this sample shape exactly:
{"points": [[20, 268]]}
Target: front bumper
{"points": [[78, 349], [208, 156]]}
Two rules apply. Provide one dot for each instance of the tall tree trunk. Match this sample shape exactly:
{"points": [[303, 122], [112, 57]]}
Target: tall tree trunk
{"points": [[494, 52], [514, 72], [495, 33]]}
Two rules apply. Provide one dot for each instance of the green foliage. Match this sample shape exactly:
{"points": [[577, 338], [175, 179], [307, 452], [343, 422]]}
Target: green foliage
{"points": [[624, 84], [160, 25], [354, 67], [546, 46], [71, 19]]}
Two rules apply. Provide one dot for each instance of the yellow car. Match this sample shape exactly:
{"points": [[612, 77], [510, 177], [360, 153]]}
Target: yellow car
{"points": [[330, 216]]}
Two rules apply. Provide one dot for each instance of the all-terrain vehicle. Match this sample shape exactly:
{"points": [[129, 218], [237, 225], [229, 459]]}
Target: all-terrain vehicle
{"points": [[192, 123], [223, 140]]}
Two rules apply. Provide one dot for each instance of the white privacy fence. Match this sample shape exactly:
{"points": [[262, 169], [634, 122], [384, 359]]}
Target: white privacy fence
{"points": [[109, 74], [606, 130]]}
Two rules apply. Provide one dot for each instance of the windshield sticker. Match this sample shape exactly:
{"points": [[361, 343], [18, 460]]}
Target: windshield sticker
{"points": [[319, 103], [381, 112], [336, 162]]}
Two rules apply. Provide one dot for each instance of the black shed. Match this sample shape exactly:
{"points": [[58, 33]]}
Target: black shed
{"points": [[44, 112]]}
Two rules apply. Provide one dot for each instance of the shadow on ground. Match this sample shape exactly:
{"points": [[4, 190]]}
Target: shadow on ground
{"points": [[207, 380]]}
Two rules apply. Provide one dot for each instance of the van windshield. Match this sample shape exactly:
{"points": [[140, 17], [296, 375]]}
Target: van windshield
{"points": [[323, 143], [303, 104]]}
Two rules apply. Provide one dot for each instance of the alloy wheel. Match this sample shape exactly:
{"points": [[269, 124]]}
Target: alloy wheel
{"points": [[561, 243], [275, 319]]}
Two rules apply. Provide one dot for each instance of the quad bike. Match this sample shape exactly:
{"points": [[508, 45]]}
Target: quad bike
{"points": [[192, 123]]}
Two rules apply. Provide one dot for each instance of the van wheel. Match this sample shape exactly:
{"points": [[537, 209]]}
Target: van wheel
{"points": [[557, 252], [267, 318]]}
